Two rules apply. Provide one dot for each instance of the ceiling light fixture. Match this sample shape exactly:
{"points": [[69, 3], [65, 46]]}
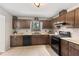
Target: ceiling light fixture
{"points": [[37, 4]]}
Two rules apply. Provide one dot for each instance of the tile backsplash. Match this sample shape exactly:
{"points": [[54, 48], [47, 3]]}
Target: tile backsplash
{"points": [[74, 31], [26, 31]]}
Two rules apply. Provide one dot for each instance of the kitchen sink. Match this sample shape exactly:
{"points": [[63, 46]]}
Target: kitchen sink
{"points": [[36, 33]]}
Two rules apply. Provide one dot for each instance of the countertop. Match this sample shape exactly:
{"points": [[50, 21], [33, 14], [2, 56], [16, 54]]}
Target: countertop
{"points": [[71, 39], [31, 34]]}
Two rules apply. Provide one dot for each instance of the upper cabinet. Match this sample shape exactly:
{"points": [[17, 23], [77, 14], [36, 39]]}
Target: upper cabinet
{"points": [[62, 12], [77, 18], [62, 18], [20, 23], [14, 22], [70, 18], [47, 24], [73, 18], [23, 24], [62, 15]]}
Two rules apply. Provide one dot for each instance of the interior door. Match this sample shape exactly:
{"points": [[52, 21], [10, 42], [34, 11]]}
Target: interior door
{"points": [[2, 33]]}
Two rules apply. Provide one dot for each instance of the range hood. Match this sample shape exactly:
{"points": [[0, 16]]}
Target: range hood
{"points": [[61, 24]]}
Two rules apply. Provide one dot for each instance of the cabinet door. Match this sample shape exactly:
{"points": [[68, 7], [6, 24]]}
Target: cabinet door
{"points": [[28, 24], [35, 40], [64, 48], [77, 18], [24, 24], [39, 39], [62, 12], [70, 18], [47, 24], [73, 49], [62, 18], [44, 39], [14, 22], [16, 41]]}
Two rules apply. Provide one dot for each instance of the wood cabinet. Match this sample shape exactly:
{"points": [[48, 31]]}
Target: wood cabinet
{"points": [[73, 49], [62, 15], [77, 18], [14, 22], [20, 23], [64, 48], [62, 18], [70, 18], [55, 20], [25, 40], [23, 24], [69, 48], [16, 41], [47, 24], [39, 39], [62, 12]]}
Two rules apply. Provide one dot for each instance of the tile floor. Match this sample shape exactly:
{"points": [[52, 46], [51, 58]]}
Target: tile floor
{"points": [[37, 50]]}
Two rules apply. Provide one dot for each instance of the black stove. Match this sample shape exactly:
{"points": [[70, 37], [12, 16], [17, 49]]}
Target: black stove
{"points": [[55, 44]]}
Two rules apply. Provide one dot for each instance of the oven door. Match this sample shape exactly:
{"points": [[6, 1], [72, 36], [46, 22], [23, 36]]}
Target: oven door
{"points": [[56, 44]]}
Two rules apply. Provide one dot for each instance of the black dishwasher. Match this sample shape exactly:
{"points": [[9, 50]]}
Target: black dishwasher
{"points": [[26, 40]]}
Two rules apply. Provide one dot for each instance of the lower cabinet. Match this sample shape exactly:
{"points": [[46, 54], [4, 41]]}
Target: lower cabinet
{"points": [[16, 41], [73, 49], [26, 40], [39, 39], [69, 48], [64, 48]]}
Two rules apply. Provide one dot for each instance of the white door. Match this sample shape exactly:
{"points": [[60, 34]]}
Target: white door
{"points": [[2, 33]]}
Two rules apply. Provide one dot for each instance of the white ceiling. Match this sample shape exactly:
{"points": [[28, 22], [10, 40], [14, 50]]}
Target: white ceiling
{"points": [[28, 9]]}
